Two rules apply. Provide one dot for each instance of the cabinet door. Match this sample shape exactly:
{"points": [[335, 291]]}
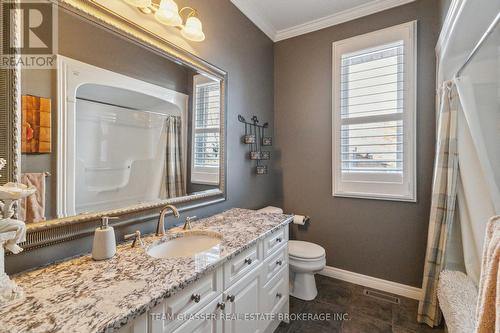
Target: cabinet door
{"points": [[207, 320], [243, 299]]}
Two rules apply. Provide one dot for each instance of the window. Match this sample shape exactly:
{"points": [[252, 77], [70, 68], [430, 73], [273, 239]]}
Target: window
{"points": [[374, 82], [206, 131]]}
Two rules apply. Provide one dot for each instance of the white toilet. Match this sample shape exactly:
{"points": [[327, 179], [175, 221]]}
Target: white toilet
{"points": [[305, 259]]}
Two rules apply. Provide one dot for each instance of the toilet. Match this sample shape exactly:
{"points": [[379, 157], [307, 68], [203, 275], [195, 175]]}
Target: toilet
{"points": [[305, 260]]}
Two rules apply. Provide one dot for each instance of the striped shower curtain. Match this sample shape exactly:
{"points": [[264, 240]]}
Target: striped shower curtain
{"points": [[444, 194], [173, 173]]}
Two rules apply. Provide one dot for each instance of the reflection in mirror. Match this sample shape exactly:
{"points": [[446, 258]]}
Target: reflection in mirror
{"points": [[115, 125]]}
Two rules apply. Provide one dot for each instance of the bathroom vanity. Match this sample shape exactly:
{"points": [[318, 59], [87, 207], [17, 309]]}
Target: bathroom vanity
{"points": [[245, 275]]}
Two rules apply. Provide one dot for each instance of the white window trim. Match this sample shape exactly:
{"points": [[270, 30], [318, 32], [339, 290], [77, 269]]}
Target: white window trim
{"points": [[201, 175], [407, 190]]}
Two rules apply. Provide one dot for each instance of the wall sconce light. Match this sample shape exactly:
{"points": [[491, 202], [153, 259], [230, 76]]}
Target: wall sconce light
{"points": [[167, 13]]}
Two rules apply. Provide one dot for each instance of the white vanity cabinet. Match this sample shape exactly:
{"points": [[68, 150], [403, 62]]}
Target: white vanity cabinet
{"points": [[253, 282]]}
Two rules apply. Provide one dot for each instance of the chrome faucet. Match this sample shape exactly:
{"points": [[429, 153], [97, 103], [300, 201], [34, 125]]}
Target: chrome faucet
{"points": [[160, 227]]}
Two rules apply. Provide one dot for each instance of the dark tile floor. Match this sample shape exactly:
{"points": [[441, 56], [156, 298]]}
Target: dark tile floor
{"points": [[365, 314]]}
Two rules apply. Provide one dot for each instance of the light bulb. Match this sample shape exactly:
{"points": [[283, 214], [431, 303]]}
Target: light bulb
{"points": [[139, 3], [168, 13], [193, 30]]}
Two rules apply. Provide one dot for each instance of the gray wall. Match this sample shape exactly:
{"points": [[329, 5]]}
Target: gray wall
{"points": [[384, 239], [236, 45]]}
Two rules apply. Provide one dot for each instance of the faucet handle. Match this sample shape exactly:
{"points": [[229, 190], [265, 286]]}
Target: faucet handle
{"points": [[136, 236], [187, 224]]}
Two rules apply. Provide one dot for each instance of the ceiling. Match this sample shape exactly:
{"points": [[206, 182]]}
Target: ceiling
{"points": [[282, 19]]}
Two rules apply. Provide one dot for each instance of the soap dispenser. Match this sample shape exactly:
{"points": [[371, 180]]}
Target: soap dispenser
{"points": [[104, 246]]}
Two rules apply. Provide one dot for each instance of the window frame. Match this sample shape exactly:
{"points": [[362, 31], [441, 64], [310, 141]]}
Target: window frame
{"points": [[378, 188], [202, 175]]}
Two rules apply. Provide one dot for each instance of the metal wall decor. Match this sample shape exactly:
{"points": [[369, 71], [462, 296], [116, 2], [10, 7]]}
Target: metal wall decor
{"points": [[255, 138]]}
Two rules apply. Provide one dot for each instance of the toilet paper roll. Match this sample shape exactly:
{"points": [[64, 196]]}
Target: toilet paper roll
{"points": [[300, 219]]}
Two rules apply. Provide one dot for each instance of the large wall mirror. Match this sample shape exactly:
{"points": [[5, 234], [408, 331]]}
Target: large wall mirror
{"points": [[125, 122]]}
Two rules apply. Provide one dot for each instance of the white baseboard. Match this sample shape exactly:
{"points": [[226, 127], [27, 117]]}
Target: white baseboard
{"points": [[372, 282]]}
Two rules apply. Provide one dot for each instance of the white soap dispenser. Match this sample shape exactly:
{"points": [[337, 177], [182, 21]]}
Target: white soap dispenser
{"points": [[104, 246]]}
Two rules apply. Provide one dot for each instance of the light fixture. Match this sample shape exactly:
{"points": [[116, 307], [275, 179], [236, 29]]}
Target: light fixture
{"points": [[139, 3], [193, 29], [167, 13]]}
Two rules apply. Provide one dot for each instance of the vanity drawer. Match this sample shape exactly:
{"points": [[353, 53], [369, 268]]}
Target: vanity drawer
{"points": [[186, 302], [274, 263], [207, 322], [240, 265], [275, 292], [275, 240]]}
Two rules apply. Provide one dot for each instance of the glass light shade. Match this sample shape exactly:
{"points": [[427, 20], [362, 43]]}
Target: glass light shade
{"points": [[139, 3], [168, 13], [193, 30]]}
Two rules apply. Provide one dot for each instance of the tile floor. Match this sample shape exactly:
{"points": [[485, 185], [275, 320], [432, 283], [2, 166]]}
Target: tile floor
{"points": [[366, 314]]}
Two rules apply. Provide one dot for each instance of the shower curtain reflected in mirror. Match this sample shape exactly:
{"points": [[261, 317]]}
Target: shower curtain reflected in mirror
{"points": [[173, 178]]}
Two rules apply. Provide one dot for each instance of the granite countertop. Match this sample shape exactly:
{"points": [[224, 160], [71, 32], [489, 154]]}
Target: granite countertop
{"points": [[83, 295]]}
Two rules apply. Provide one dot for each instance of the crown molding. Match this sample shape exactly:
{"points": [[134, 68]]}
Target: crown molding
{"points": [[340, 17], [249, 11], [263, 24]]}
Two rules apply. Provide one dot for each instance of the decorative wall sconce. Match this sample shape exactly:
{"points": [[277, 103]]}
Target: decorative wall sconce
{"points": [[167, 13], [255, 138]]}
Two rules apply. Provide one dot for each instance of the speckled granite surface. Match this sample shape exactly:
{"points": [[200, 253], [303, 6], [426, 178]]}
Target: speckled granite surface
{"points": [[82, 295]]}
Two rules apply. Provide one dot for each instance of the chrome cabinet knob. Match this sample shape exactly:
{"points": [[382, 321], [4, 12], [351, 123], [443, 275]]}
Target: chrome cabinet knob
{"points": [[221, 305], [279, 262], [279, 295], [196, 298], [230, 298], [248, 261], [279, 239]]}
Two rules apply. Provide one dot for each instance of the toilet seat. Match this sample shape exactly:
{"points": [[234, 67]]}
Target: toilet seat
{"points": [[305, 251]]}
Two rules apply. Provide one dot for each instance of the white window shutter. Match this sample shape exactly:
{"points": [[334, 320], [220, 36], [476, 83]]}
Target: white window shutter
{"points": [[374, 115], [206, 133]]}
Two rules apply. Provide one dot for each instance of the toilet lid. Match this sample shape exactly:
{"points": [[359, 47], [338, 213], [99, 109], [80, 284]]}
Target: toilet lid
{"points": [[305, 250]]}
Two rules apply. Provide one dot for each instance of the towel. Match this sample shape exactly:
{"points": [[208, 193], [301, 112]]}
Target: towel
{"points": [[457, 295], [488, 306], [33, 207]]}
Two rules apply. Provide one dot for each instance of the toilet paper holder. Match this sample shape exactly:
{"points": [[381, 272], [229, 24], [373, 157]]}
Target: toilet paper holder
{"points": [[301, 219]]}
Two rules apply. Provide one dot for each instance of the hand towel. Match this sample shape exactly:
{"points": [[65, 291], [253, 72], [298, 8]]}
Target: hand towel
{"points": [[33, 207], [488, 306]]}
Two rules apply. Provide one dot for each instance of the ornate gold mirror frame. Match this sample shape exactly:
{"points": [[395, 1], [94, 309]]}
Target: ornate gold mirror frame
{"points": [[59, 230]]}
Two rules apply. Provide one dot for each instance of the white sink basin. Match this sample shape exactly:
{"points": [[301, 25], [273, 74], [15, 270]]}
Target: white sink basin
{"points": [[185, 244]]}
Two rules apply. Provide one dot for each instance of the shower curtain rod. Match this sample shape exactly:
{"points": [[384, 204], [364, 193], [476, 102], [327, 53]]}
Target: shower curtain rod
{"points": [[483, 38], [124, 107]]}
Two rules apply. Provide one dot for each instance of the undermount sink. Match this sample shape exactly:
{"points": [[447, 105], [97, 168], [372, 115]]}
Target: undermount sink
{"points": [[185, 244]]}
